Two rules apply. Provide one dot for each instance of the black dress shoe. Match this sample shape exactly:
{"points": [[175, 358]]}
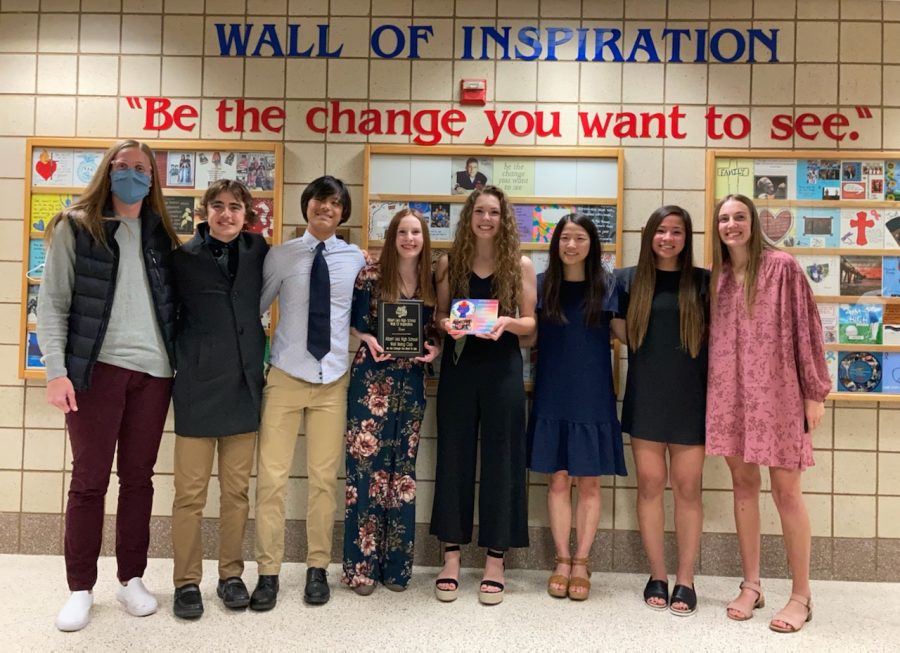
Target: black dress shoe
{"points": [[233, 593], [266, 593], [317, 591], [188, 602]]}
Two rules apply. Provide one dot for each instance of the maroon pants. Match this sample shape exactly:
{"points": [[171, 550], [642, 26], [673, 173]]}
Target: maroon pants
{"points": [[123, 408]]}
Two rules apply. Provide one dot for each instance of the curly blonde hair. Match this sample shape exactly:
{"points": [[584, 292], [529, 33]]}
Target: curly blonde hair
{"points": [[507, 278]]}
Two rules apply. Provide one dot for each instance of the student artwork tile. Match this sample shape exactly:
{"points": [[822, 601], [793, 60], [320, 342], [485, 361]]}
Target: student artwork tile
{"points": [[777, 226], [51, 167], [862, 228], [859, 371]]}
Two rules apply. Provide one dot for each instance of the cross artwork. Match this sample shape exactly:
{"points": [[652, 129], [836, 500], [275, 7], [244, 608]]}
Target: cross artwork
{"points": [[860, 222]]}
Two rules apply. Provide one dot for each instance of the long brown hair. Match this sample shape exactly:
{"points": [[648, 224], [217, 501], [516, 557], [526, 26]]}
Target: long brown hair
{"points": [[692, 313], [507, 278], [597, 278], [88, 210], [755, 247], [389, 263]]}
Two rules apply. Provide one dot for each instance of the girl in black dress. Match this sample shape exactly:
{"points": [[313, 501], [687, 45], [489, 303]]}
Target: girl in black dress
{"points": [[665, 304]]}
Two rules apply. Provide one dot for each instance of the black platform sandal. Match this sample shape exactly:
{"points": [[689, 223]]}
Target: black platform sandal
{"points": [[492, 598], [656, 589], [686, 595], [442, 594]]}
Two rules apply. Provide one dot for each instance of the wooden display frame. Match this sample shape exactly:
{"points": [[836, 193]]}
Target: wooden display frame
{"points": [[820, 208], [267, 186], [453, 154]]}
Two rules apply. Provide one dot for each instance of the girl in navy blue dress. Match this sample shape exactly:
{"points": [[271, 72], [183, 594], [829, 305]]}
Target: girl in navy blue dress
{"points": [[573, 431]]}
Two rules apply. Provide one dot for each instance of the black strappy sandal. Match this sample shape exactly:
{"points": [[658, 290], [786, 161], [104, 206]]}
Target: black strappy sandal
{"points": [[492, 598], [656, 589], [686, 595], [442, 594]]}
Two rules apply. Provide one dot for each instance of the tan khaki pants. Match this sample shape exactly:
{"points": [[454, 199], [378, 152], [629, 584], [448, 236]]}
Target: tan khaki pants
{"points": [[193, 467], [285, 400]]}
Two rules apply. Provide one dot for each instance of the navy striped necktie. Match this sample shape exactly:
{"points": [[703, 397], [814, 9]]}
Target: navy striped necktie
{"points": [[318, 335]]}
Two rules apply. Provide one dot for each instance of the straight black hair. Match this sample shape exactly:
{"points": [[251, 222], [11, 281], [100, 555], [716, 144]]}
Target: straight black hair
{"points": [[323, 188]]}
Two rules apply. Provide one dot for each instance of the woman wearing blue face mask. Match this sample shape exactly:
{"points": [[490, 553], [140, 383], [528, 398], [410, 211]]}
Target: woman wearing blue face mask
{"points": [[105, 327]]}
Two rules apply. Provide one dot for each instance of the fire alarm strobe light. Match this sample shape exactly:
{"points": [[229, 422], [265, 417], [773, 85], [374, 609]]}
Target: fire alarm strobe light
{"points": [[473, 91]]}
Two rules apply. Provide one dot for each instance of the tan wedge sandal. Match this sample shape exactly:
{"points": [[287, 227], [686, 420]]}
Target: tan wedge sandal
{"points": [[792, 625], [579, 582], [559, 579], [734, 608]]}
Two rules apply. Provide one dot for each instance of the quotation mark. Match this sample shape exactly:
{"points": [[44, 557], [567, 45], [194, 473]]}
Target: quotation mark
{"points": [[863, 112], [135, 102]]}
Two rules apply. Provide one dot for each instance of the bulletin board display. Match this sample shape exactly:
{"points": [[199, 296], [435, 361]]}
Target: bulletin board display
{"points": [[543, 185], [58, 169], [838, 213]]}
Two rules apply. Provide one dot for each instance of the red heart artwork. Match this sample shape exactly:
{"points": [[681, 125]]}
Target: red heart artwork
{"points": [[45, 168]]}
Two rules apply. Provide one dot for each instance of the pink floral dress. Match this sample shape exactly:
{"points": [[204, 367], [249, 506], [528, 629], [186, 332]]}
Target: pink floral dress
{"points": [[763, 365]]}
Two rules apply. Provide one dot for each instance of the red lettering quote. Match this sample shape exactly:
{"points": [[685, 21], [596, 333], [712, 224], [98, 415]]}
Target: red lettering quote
{"points": [[432, 126]]}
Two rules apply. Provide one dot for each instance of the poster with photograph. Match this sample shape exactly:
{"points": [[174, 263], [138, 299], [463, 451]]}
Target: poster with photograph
{"points": [[873, 179], [860, 275], [831, 360], [604, 218], [859, 324], [814, 176], [544, 219], [892, 180], [862, 228], [256, 170], [85, 165], [890, 276], [181, 213], [514, 176], [265, 217], [180, 170], [470, 173], [46, 205], [774, 179], [859, 371], [777, 226], [32, 304], [828, 315], [734, 177], [891, 229], [852, 187], [213, 166], [822, 272], [817, 227], [439, 226], [891, 325], [51, 167], [890, 381], [380, 215], [33, 353]]}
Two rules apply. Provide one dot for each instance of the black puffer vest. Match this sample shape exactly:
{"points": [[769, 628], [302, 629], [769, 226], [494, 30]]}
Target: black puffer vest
{"points": [[96, 270]]}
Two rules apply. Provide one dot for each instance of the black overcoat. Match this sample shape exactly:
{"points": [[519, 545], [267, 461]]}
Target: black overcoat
{"points": [[219, 340]]}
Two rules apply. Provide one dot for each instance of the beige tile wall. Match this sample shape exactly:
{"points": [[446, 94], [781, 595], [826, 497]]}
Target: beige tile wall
{"points": [[65, 64]]}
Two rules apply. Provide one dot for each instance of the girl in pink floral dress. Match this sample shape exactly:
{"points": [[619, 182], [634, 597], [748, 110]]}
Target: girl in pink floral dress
{"points": [[767, 386]]}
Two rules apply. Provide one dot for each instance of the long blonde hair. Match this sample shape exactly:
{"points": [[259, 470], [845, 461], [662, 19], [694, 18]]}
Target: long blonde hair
{"points": [[389, 263], [692, 313], [755, 248], [88, 210], [507, 277]]}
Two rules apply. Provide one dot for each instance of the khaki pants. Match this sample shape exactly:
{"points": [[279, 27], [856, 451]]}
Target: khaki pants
{"points": [[193, 466], [285, 399]]}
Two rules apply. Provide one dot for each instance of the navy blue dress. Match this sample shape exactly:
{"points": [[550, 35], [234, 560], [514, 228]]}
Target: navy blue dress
{"points": [[573, 425]]}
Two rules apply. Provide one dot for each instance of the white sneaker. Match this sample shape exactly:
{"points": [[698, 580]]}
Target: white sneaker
{"points": [[76, 613], [136, 599]]}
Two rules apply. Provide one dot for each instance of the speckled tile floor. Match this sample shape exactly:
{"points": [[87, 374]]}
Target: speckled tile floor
{"points": [[848, 616]]}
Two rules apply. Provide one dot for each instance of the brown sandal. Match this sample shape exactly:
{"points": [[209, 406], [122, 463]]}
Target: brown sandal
{"points": [[759, 603], [579, 582], [793, 626], [559, 579]]}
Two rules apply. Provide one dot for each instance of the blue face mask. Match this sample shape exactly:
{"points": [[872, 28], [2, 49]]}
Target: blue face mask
{"points": [[129, 186]]}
